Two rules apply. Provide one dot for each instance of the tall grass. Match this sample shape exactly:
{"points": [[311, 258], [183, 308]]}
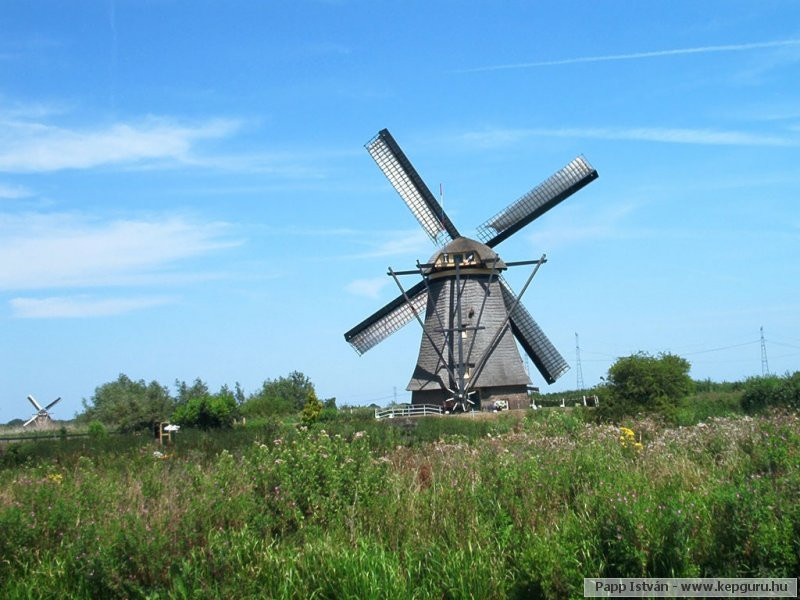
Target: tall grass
{"points": [[449, 508]]}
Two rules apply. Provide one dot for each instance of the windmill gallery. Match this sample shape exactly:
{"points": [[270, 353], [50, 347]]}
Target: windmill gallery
{"points": [[467, 357]]}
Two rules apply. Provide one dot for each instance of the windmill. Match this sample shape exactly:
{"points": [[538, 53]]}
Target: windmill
{"points": [[467, 357], [42, 416]]}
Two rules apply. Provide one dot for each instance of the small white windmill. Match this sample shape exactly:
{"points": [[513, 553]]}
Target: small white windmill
{"points": [[42, 416]]}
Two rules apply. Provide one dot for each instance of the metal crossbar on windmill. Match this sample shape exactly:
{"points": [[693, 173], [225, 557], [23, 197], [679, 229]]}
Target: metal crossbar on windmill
{"points": [[42, 416], [467, 357]]}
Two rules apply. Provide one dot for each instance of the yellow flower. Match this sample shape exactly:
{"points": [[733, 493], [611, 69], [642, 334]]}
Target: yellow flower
{"points": [[55, 478]]}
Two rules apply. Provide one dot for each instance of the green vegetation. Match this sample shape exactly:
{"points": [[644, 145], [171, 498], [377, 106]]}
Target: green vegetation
{"points": [[125, 405], [309, 500], [762, 392], [207, 411], [128, 405], [278, 397], [312, 409], [641, 383], [514, 505]]}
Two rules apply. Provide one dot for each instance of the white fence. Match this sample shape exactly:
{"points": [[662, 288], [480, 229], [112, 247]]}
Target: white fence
{"points": [[408, 410]]}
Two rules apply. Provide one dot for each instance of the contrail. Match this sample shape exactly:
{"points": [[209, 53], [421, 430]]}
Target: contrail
{"points": [[635, 55]]}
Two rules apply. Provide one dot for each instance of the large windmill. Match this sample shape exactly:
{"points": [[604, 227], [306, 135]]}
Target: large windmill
{"points": [[467, 356], [42, 416]]}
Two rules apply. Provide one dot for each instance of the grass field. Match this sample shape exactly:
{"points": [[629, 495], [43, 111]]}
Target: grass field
{"points": [[523, 505]]}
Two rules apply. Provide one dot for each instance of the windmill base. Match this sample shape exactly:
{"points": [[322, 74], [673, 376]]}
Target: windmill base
{"points": [[515, 395]]}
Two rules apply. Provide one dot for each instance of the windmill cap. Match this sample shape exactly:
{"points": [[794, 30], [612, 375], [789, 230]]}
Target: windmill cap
{"points": [[472, 254]]}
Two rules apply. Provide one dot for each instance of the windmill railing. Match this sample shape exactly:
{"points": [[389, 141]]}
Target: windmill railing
{"points": [[408, 410]]}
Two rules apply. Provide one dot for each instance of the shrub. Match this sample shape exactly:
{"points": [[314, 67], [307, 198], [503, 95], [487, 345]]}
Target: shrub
{"points": [[312, 409], [762, 392], [97, 430], [207, 412], [645, 383]]}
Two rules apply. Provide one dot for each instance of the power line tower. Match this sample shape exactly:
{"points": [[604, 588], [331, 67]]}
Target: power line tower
{"points": [[578, 367], [764, 363]]}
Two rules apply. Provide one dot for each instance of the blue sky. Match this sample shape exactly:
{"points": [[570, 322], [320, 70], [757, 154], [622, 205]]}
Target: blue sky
{"points": [[184, 190]]}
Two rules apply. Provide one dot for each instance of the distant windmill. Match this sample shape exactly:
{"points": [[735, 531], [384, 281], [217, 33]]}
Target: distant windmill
{"points": [[42, 416], [467, 356]]}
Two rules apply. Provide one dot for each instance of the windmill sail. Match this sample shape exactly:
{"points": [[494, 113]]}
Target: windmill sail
{"points": [[536, 344], [383, 323], [556, 188], [405, 179]]}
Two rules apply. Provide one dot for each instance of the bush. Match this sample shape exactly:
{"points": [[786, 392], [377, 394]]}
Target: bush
{"points": [[312, 409], [97, 430], [207, 412], [644, 383], [282, 396], [762, 392]]}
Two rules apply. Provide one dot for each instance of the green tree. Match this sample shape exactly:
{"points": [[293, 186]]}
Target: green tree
{"points": [[186, 392], [282, 396], [311, 409], [645, 383], [128, 405], [208, 412]]}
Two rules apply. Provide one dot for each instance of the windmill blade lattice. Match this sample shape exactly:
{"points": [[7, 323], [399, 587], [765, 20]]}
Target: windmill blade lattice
{"points": [[384, 322], [405, 179], [530, 336], [556, 188]]}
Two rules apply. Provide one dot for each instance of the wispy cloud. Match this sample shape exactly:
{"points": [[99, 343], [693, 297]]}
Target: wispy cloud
{"points": [[29, 146], [638, 55], [60, 307], [395, 243], [606, 222], [371, 288], [63, 250], [669, 135], [14, 191]]}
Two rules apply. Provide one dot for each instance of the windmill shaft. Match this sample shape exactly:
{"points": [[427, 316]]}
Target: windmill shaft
{"points": [[460, 335]]}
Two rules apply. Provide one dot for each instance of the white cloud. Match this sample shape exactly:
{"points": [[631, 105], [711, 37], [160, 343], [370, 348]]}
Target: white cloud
{"points": [[674, 135], [36, 147], [606, 222], [638, 55], [62, 250], [14, 191], [80, 306], [412, 242], [371, 288]]}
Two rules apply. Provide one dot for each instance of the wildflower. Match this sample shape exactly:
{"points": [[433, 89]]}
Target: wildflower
{"points": [[358, 435], [55, 478], [277, 441]]}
